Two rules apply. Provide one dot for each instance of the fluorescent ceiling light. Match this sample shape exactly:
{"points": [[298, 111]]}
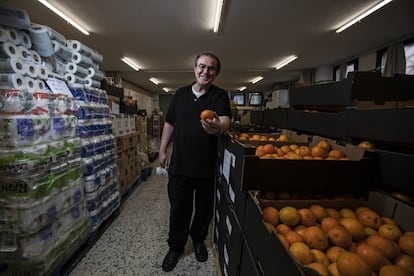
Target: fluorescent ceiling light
{"points": [[166, 89], [257, 79], [285, 62], [219, 13], [61, 14], [130, 63], [242, 88], [363, 15], [155, 81]]}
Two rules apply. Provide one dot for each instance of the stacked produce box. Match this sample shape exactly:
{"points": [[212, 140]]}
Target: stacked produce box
{"points": [[329, 195]]}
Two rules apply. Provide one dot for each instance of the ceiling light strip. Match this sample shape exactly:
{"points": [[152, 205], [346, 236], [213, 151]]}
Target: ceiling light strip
{"points": [[166, 89], [154, 81], [65, 17], [285, 62], [257, 79], [130, 63], [242, 88], [219, 13], [363, 15]]}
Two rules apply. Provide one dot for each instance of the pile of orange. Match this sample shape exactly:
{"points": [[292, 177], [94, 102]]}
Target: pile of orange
{"points": [[343, 242]]}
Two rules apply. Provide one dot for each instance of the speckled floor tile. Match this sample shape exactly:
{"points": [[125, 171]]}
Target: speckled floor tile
{"points": [[136, 241]]}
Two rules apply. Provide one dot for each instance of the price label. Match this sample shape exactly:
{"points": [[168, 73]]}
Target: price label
{"points": [[58, 86]]}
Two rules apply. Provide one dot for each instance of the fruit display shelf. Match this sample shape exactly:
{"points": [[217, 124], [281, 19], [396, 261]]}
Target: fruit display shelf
{"points": [[268, 250]]}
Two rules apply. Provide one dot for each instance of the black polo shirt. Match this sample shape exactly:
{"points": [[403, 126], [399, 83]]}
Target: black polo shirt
{"points": [[194, 151]]}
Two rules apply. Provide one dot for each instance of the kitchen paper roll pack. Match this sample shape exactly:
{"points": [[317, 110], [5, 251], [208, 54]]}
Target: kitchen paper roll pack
{"points": [[12, 100], [62, 51], [82, 60], [95, 74], [85, 50], [15, 81], [12, 65], [76, 69], [41, 41], [8, 49]]}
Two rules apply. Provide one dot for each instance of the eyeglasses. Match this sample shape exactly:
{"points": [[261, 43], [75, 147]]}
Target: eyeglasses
{"points": [[209, 68]]}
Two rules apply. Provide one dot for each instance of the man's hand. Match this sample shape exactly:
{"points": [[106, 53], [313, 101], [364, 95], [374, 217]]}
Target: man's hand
{"points": [[213, 126]]}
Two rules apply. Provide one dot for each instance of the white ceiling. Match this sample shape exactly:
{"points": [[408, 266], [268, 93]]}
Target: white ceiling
{"points": [[163, 36]]}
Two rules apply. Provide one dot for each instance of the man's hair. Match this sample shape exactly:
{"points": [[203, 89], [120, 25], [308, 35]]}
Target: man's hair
{"points": [[209, 54]]}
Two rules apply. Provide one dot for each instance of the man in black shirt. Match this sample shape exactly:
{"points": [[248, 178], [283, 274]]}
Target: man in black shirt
{"points": [[192, 164]]}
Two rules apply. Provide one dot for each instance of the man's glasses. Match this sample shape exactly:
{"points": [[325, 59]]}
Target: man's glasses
{"points": [[209, 68]]}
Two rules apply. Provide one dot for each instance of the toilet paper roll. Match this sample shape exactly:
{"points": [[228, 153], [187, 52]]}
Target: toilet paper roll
{"points": [[8, 49], [23, 53], [79, 47], [72, 78], [95, 74], [62, 51], [30, 84], [24, 40], [76, 69], [30, 70], [97, 57], [35, 57], [12, 36], [12, 65], [3, 34], [92, 83], [39, 34], [39, 85], [82, 60], [41, 71], [54, 35], [16, 81]]}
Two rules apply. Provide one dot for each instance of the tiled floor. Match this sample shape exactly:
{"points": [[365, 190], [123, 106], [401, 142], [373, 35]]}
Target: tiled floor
{"points": [[135, 242]]}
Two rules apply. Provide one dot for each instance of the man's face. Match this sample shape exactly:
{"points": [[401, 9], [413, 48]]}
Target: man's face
{"points": [[205, 70]]}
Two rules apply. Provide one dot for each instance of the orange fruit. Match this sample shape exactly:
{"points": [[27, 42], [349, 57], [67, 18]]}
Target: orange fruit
{"points": [[390, 231], [333, 213], [333, 269], [283, 240], [283, 228], [270, 228], [306, 217], [387, 220], [350, 264], [319, 152], [336, 154], [405, 261], [406, 243], [333, 252], [207, 114], [325, 145], [269, 148], [301, 252], [293, 236], [320, 257], [370, 219], [271, 215], [316, 238], [282, 138], [347, 213], [328, 223], [339, 236], [318, 211], [319, 268], [354, 227], [372, 256], [386, 246], [289, 215], [393, 270], [260, 153], [361, 209]]}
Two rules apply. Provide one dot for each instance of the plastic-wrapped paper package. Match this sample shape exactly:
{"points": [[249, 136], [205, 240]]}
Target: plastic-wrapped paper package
{"points": [[22, 129], [13, 100], [30, 218], [41, 243]]}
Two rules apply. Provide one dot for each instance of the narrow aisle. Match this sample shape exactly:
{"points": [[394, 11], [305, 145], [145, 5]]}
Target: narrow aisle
{"points": [[135, 242]]}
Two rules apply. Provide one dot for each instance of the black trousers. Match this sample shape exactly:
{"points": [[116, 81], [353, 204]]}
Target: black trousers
{"points": [[185, 193]]}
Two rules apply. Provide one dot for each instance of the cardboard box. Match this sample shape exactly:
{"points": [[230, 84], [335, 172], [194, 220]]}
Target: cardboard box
{"points": [[277, 117], [270, 253], [385, 125], [248, 172], [328, 124]]}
